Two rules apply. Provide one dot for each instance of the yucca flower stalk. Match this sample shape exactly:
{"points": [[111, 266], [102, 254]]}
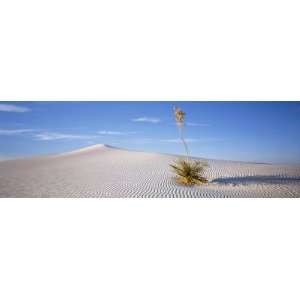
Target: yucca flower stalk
{"points": [[180, 118], [188, 172]]}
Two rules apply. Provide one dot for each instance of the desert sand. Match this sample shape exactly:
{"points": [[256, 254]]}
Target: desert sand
{"points": [[105, 171]]}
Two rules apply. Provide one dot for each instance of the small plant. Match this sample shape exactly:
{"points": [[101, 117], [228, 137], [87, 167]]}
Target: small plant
{"points": [[188, 172]]}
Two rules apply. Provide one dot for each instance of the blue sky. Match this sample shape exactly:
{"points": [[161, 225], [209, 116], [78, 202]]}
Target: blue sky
{"points": [[248, 131]]}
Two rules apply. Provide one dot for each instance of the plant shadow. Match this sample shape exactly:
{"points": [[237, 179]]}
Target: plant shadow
{"points": [[257, 180]]}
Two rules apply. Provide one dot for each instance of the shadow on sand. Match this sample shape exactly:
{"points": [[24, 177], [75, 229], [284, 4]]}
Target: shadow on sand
{"points": [[258, 180]]}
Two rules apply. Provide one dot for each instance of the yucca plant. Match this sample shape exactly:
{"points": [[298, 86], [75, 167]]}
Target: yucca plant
{"points": [[188, 172]]}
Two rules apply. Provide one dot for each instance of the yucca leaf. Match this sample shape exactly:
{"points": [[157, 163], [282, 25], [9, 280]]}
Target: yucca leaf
{"points": [[189, 172]]}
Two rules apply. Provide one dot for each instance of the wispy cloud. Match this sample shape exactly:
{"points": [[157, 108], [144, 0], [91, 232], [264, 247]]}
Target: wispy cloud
{"points": [[142, 141], [108, 132], [50, 136], [196, 124], [13, 108], [178, 141], [14, 131], [147, 120]]}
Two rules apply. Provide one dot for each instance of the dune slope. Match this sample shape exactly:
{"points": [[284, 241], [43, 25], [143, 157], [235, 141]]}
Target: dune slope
{"points": [[104, 171]]}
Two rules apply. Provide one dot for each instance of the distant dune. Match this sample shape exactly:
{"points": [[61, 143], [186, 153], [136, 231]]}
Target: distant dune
{"points": [[104, 171]]}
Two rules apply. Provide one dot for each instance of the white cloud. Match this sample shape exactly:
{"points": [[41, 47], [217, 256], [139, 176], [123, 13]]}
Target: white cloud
{"points": [[108, 132], [143, 141], [196, 124], [13, 108], [14, 131], [188, 140], [50, 136], [147, 120]]}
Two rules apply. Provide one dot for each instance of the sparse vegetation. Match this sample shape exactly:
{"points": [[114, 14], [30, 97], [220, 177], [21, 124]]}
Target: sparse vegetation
{"points": [[188, 171]]}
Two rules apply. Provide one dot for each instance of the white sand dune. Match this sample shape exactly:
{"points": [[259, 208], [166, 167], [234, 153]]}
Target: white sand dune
{"points": [[104, 171]]}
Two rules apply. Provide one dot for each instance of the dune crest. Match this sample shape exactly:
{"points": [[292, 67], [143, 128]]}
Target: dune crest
{"points": [[87, 149]]}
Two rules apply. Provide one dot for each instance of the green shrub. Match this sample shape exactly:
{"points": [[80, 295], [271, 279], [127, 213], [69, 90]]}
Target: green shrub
{"points": [[189, 172]]}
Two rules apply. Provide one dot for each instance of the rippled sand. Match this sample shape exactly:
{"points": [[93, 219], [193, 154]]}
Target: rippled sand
{"points": [[103, 171]]}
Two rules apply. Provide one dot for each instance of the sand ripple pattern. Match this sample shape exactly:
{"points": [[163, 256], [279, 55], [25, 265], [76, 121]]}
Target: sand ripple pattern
{"points": [[103, 171]]}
